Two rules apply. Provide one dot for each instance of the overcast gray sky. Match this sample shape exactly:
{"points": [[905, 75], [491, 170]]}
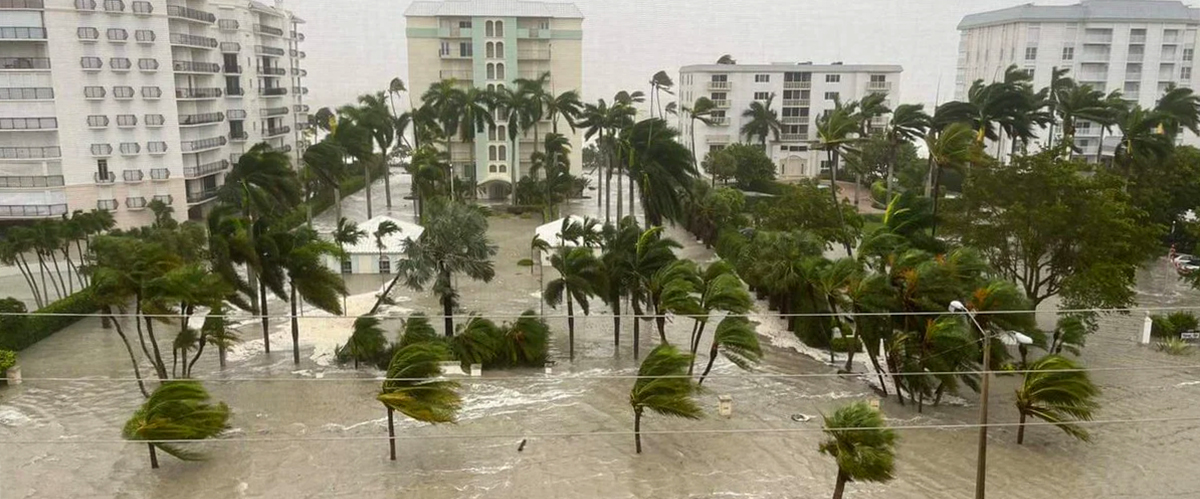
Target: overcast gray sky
{"points": [[358, 46]]}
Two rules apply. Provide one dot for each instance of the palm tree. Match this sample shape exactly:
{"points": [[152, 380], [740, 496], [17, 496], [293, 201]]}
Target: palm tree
{"points": [[522, 109], [178, 410], [761, 121], [11, 254], [579, 277], [395, 87], [372, 114], [719, 289], [412, 387], [619, 245], [475, 107], [726, 59], [302, 255], [737, 339], [366, 342], [1057, 391], [670, 290], [188, 286], [701, 110], [1179, 108], [1078, 102], [603, 121], [326, 160], [950, 148], [454, 242], [909, 122], [660, 82], [836, 135], [664, 388], [442, 101], [986, 106], [383, 230], [661, 167], [1059, 82], [865, 450]]}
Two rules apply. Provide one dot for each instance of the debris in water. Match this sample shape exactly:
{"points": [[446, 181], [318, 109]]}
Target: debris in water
{"points": [[801, 418], [522, 446]]}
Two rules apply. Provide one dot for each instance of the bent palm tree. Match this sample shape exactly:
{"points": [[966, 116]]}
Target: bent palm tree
{"points": [[864, 449], [366, 341], [737, 339], [177, 410], [412, 389], [663, 387], [761, 121], [579, 278], [1056, 391]]}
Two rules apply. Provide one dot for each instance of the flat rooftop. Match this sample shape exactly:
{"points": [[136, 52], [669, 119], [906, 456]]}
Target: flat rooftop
{"points": [[1157, 11], [493, 8], [779, 67]]}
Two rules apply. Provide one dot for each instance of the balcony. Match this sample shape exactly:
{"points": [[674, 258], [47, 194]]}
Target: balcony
{"points": [[145, 36], [228, 24], [453, 54], [300, 90], [718, 121], [114, 6], [85, 5], [273, 111], [160, 174], [235, 92], [101, 150], [200, 119], [203, 42], [795, 103], [24, 153], [198, 93], [272, 132], [132, 176], [793, 137], [298, 36], [195, 67], [1097, 38], [135, 203], [267, 30], [32, 210], [148, 65], [721, 103], [197, 197], [231, 47], [233, 69], [1095, 56], [23, 4], [265, 50], [454, 32], [301, 108], [200, 16], [797, 85], [192, 146], [1137, 39], [22, 33], [107, 204], [794, 120], [191, 172], [717, 139], [272, 91], [28, 124], [24, 63], [267, 70], [533, 54], [535, 33], [720, 85], [31, 182], [166, 199], [299, 72], [879, 86], [1135, 56], [238, 136]]}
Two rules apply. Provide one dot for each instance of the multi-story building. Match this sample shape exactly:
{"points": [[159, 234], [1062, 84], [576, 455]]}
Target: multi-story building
{"points": [[802, 93], [1135, 46], [112, 104], [489, 44]]}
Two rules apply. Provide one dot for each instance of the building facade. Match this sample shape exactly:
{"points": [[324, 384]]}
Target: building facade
{"points": [[802, 93], [111, 104], [490, 44], [1135, 46]]}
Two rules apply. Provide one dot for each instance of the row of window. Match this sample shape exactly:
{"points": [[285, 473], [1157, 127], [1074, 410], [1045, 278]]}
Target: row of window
{"points": [[495, 71], [137, 6], [121, 92], [128, 149], [766, 78], [28, 123], [26, 93], [118, 63], [497, 168], [124, 120], [115, 34], [497, 153]]}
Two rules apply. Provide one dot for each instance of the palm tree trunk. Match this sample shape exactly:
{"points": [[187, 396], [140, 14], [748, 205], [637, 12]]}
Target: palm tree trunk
{"points": [[637, 429], [620, 175], [337, 203], [632, 186], [367, 176], [840, 487], [712, 358], [1021, 429], [137, 371], [637, 333], [937, 186], [153, 457], [137, 322], [295, 328], [1100, 148], [660, 320], [37, 296], [82, 260], [878, 371], [58, 271], [387, 183], [262, 294], [837, 204], [43, 270], [893, 151], [616, 324], [391, 435], [570, 327], [158, 362], [857, 189], [448, 318]]}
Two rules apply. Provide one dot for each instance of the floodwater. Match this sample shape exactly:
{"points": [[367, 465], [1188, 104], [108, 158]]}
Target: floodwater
{"points": [[315, 430]]}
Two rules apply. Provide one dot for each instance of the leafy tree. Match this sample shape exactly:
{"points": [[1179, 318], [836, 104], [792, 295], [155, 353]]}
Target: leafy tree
{"points": [[664, 388], [754, 168], [908, 123], [720, 166], [1057, 391], [524, 342], [619, 245], [580, 276], [865, 450], [413, 389], [366, 342], [660, 167], [1043, 225], [948, 148], [837, 135], [178, 410], [604, 122], [804, 206], [302, 256], [761, 121]]}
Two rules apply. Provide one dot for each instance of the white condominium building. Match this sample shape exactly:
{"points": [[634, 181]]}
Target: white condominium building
{"points": [[489, 44], [1136, 46], [112, 104], [802, 93]]}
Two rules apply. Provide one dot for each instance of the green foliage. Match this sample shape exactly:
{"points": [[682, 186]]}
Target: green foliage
{"points": [[865, 450], [18, 332], [525, 262], [737, 339], [720, 165], [8, 358], [1057, 390], [1174, 346], [663, 386], [753, 168], [412, 386], [366, 344], [846, 344], [1172, 324], [805, 206], [525, 342], [177, 410]]}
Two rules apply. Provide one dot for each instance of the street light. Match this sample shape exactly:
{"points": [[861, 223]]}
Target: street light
{"points": [[981, 462]]}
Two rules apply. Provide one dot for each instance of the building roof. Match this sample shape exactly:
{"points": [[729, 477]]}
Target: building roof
{"points": [[552, 232], [392, 244], [493, 8], [1088, 10], [779, 67]]}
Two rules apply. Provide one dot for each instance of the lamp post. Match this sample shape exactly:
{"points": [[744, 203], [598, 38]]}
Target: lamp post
{"points": [[981, 460]]}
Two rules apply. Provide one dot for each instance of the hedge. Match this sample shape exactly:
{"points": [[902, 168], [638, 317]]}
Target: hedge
{"points": [[18, 332], [324, 200]]}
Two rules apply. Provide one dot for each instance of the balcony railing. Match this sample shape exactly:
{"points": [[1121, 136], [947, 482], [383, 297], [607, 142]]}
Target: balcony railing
{"points": [[49, 152], [721, 103], [31, 181], [271, 132], [201, 118], [273, 111], [533, 54], [233, 69], [195, 67], [447, 74], [1137, 38], [107, 204], [197, 197], [198, 93], [205, 169], [719, 121], [299, 72], [22, 33], [239, 136], [793, 137], [13, 124], [203, 144], [135, 203], [230, 47], [235, 92], [268, 30], [298, 36], [797, 85], [132, 175], [190, 14], [265, 50], [794, 120], [106, 178], [24, 63], [719, 85], [300, 90], [879, 86], [1098, 38], [86, 5], [32, 210], [272, 91], [22, 4], [160, 174], [301, 108], [266, 70], [193, 40], [718, 139], [795, 103], [166, 199], [228, 24]]}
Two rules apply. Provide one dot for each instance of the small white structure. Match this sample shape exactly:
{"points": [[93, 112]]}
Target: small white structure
{"points": [[365, 257], [552, 233]]}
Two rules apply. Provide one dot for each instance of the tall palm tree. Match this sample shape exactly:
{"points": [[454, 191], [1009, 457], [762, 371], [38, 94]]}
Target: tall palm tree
{"points": [[1060, 83], [664, 388], [537, 90], [1117, 107], [737, 339], [177, 410], [619, 246], [475, 107], [670, 290], [652, 253], [909, 122], [837, 134], [865, 450], [580, 277], [986, 106], [950, 148], [413, 387], [1057, 391], [383, 230], [701, 110], [660, 82], [1073, 103], [326, 160], [602, 121], [720, 289], [1179, 108], [761, 121], [566, 105], [661, 167], [395, 88], [454, 242], [521, 108], [301, 256]]}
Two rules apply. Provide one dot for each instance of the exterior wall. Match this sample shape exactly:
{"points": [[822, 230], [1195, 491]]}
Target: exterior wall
{"points": [[363, 264], [793, 153]]}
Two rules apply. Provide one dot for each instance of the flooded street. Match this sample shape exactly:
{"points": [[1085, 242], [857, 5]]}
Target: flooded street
{"points": [[316, 430]]}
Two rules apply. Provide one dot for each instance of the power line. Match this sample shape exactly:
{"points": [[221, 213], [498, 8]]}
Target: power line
{"points": [[602, 433]]}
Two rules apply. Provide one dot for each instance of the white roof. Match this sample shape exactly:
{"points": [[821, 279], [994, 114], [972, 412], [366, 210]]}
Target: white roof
{"points": [[493, 8], [1088, 10], [392, 244], [784, 67], [552, 232]]}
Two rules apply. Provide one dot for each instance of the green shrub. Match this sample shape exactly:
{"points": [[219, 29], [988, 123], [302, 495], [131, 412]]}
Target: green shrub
{"points": [[879, 192], [1171, 325], [846, 344], [8, 359], [525, 262], [21, 331], [1174, 346]]}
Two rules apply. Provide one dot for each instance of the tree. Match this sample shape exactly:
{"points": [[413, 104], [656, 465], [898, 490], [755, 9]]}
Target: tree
{"points": [[1043, 225], [602, 121], [754, 169], [726, 59], [651, 253], [670, 290], [761, 121], [366, 342], [454, 242], [384, 229], [719, 289], [580, 276], [302, 256], [178, 410], [372, 115], [664, 388], [413, 389], [701, 110], [720, 166], [804, 206], [862, 445], [661, 168], [948, 148], [737, 339], [908, 123], [326, 160], [1057, 391], [660, 82], [836, 135], [619, 245]]}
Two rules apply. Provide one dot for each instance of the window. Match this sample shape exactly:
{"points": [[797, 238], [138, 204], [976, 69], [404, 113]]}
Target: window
{"points": [[445, 49], [87, 33], [503, 169], [831, 96], [26, 93], [91, 62], [144, 35], [464, 49], [500, 71], [347, 267], [1168, 52], [385, 265], [500, 28], [119, 64], [878, 78], [490, 29], [155, 120], [148, 64], [1068, 53], [1029, 72], [833, 78], [762, 78], [130, 148], [491, 153], [94, 92], [491, 71], [123, 92], [97, 121], [503, 153], [1185, 73], [156, 147], [1030, 53], [464, 24], [116, 34], [491, 49], [102, 168], [491, 168], [1083, 127], [500, 50], [762, 95], [151, 92], [114, 5], [126, 120], [143, 7], [1188, 54]]}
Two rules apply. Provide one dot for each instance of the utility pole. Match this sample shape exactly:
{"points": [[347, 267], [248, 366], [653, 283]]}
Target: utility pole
{"points": [[981, 460]]}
